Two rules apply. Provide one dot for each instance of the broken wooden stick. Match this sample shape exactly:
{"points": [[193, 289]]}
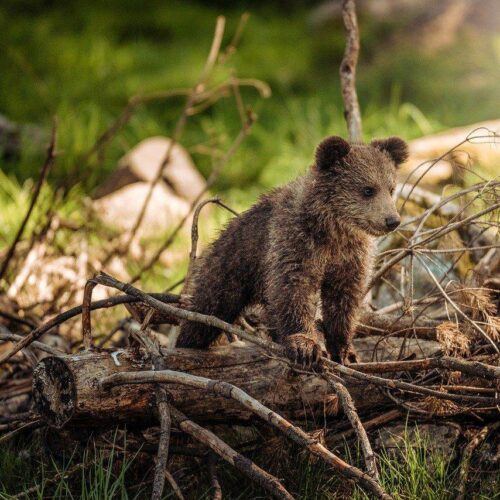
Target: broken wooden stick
{"points": [[243, 464], [230, 391]]}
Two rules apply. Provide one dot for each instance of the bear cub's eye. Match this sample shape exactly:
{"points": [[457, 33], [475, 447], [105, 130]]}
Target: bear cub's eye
{"points": [[368, 192]]}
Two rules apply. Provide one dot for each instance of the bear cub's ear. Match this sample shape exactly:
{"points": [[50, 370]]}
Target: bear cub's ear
{"points": [[330, 151], [395, 147]]}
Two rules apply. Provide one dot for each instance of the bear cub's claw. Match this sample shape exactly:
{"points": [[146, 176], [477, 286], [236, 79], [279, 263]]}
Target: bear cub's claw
{"points": [[345, 356], [303, 348]]}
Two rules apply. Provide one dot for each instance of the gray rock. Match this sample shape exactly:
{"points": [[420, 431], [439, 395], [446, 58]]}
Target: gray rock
{"points": [[434, 439]]}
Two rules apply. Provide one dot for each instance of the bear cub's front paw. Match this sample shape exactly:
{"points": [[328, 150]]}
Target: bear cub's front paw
{"points": [[303, 348], [345, 355]]}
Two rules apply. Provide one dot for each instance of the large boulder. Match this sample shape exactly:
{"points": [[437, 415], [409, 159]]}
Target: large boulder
{"points": [[120, 200], [481, 149], [122, 207], [141, 164]]}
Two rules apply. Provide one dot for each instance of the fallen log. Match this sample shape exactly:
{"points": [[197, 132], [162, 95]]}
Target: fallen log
{"points": [[67, 388]]}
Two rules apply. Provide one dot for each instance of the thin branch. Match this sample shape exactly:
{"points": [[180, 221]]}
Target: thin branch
{"points": [[243, 464], [368, 425], [163, 444], [214, 175], [49, 161], [195, 236], [227, 390], [272, 347], [180, 125], [439, 232], [173, 483], [348, 72], [472, 368], [76, 311], [88, 342], [12, 337], [459, 311], [215, 487], [474, 442], [35, 424], [350, 410]]}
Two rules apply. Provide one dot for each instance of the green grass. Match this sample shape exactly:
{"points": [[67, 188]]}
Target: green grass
{"points": [[105, 475], [415, 471], [82, 60]]}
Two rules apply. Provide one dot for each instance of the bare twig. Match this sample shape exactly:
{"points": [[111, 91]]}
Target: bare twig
{"points": [[475, 441], [163, 444], [272, 347], [457, 309], [180, 125], [35, 490], [348, 72], [350, 410], [88, 342], [173, 483], [35, 424], [472, 368], [49, 161], [215, 487], [438, 233], [368, 425], [214, 175], [243, 464], [230, 391], [195, 235], [76, 311], [12, 337]]}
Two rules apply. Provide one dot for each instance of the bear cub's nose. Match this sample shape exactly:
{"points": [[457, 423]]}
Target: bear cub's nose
{"points": [[392, 222]]}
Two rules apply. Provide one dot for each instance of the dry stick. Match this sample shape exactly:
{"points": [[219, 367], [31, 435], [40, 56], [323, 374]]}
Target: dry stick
{"points": [[17, 319], [106, 280], [348, 72], [49, 161], [88, 342], [173, 483], [476, 440], [195, 236], [368, 425], [469, 137], [164, 441], [12, 337], [76, 311], [405, 386], [459, 311], [159, 363], [105, 138], [35, 424], [350, 410], [243, 464], [34, 491], [230, 391], [473, 368], [180, 125], [214, 480], [443, 231], [210, 181]]}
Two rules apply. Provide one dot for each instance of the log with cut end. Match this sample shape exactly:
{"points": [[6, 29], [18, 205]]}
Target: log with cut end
{"points": [[67, 389]]}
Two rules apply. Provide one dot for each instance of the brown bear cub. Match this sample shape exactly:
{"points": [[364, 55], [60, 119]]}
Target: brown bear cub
{"points": [[309, 242]]}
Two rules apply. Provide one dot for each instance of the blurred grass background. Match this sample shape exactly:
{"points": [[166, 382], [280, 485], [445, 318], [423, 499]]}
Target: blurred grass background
{"points": [[82, 60]]}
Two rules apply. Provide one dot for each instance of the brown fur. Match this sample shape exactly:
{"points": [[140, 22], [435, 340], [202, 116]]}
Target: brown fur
{"points": [[304, 243]]}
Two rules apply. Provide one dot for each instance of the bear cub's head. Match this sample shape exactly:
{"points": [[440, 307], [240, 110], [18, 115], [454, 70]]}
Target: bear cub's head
{"points": [[356, 182]]}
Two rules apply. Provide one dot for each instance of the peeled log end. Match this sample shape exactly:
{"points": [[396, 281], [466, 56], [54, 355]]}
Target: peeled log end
{"points": [[54, 391], [67, 388]]}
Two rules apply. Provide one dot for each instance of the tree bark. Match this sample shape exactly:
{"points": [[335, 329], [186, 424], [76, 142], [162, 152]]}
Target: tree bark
{"points": [[67, 388]]}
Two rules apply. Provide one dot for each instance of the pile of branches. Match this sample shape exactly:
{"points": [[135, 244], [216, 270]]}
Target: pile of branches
{"points": [[129, 377]]}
